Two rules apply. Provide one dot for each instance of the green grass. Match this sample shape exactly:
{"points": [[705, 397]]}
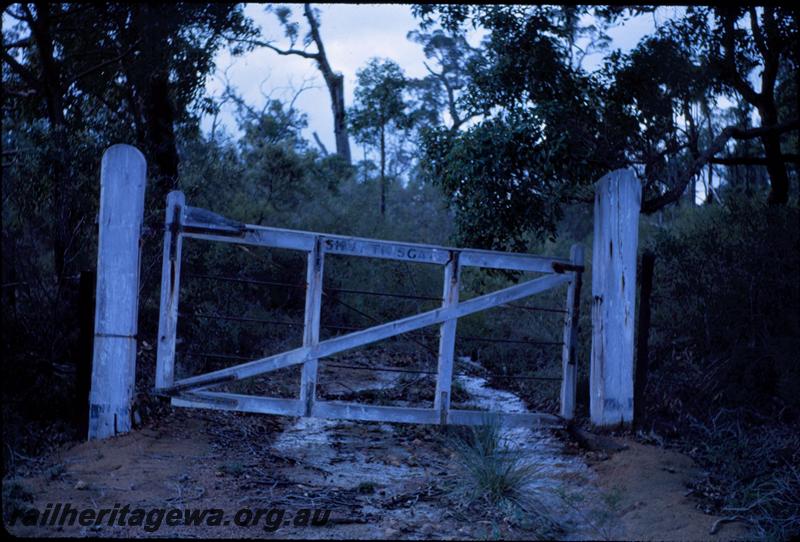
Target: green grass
{"points": [[496, 477], [493, 471]]}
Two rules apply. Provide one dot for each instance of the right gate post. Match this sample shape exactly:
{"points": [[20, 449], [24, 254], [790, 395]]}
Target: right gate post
{"points": [[616, 234]]}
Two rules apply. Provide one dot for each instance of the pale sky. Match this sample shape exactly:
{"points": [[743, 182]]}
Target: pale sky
{"points": [[352, 34]]}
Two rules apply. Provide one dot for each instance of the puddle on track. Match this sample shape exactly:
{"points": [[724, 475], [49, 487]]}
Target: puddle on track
{"points": [[368, 452]]}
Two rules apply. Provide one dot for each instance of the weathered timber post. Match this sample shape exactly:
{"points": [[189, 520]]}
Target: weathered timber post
{"points": [[447, 340], [643, 336], [308, 375], [569, 381], [170, 289], [616, 235], [123, 175]]}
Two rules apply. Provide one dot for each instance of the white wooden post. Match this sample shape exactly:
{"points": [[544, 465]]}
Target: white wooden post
{"points": [[616, 235], [123, 174], [447, 340], [170, 290], [568, 356], [308, 376]]}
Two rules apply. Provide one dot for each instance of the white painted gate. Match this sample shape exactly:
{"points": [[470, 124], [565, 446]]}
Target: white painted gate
{"points": [[184, 222]]}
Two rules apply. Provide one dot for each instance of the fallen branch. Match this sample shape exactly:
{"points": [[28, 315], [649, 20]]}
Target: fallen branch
{"points": [[592, 442], [717, 524]]}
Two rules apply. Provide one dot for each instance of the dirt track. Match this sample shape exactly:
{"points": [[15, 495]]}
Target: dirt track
{"points": [[378, 480]]}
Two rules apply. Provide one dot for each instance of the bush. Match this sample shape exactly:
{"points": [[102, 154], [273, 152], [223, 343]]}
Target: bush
{"points": [[724, 382], [496, 477], [493, 470], [725, 299]]}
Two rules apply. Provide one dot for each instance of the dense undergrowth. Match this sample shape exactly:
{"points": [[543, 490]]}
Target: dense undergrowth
{"points": [[725, 380], [723, 347]]}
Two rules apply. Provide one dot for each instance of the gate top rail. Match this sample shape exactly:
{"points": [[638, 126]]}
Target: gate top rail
{"points": [[200, 223]]}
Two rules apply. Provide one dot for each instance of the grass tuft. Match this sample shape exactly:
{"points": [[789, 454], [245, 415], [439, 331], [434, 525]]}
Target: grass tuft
{"points": [[494, 473]]}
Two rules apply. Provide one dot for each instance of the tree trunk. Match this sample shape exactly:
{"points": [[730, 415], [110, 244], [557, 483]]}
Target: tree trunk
{"points": [[160, 132], [335, 84], [643, 349], [83, 372], [383, 171], [336, 88], [778, 178], [151, 89], [51, 83]]}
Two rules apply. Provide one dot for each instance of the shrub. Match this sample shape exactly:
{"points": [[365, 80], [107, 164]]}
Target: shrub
{"points": [[726, 295]]}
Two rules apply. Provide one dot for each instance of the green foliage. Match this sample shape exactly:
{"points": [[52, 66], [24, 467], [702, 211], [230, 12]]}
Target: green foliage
{"points": [[638, 111], [725, 284], [496, 477], [439, 93], [501, 179], [723, 365], [379, 101], [494, 471]]}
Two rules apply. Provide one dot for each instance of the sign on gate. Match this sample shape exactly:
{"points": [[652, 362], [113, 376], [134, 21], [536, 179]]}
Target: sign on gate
{"points": [[184, 222]]}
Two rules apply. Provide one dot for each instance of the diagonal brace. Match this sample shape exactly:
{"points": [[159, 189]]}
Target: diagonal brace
{"points": [[370, 335]]}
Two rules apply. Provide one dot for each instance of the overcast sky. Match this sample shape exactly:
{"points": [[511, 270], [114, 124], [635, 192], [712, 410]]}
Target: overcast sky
{"points": [[352, 34]]}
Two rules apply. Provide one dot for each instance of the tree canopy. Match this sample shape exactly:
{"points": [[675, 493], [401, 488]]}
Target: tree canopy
{"points": [[380, 107], [640, 109]]}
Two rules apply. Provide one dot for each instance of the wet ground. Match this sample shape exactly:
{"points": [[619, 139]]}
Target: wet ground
{"points": [[377, 480]]}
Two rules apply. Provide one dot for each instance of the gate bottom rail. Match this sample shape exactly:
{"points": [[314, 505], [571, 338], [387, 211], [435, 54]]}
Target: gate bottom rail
{"points": [[355, 411]]}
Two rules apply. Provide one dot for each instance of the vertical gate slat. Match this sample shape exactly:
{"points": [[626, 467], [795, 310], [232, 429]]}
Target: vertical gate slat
{"points": [[568, 358], [314, 273], [447, 339], [170, 290]]}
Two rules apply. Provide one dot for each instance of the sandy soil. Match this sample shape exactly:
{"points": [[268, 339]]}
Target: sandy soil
{"points": [[378, 480], [647, 488]]}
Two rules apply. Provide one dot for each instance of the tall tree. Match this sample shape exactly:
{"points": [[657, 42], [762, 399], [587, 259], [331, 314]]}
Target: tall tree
{"points": [[379, 108], [441, 89], [43, 77], [333, 80], [774, 35]]}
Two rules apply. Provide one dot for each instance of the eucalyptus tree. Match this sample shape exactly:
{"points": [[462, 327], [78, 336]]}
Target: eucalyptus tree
{"points": [[380, 108], [440, 91], [333, 80]]}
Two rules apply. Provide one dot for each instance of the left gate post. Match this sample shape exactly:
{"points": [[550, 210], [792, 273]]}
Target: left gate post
{"points": [[123, 175]]}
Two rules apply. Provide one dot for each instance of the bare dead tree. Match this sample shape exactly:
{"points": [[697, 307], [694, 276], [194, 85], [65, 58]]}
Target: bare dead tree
{"points": [[333, 80]]}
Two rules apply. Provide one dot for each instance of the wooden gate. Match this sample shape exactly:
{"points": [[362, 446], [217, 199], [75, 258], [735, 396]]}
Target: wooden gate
{"points": [[184, 222]]}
